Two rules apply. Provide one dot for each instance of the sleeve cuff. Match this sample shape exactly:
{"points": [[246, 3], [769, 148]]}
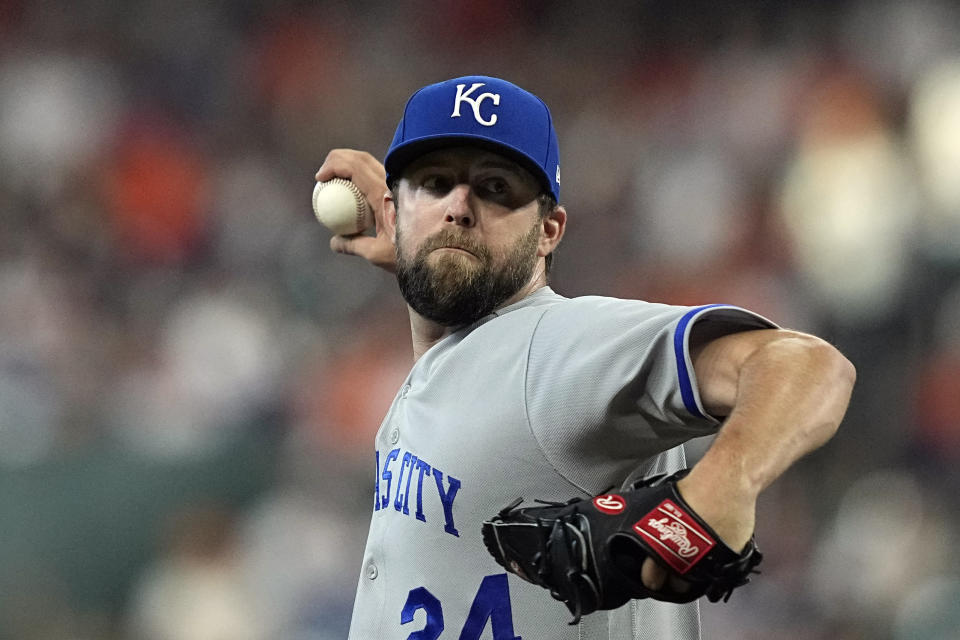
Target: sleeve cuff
{"points": [[740, 320]]}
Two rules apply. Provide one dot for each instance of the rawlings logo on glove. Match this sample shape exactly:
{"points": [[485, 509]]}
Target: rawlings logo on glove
{"points": [[672, 532], [588, 553]]}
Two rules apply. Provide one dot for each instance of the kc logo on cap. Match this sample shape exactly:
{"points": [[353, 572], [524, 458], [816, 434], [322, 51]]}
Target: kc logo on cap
{"points": [[475, 103], [481, 111]]}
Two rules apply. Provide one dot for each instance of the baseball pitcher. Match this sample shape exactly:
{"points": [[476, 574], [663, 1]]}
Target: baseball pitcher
{"points": [[529, 479]]}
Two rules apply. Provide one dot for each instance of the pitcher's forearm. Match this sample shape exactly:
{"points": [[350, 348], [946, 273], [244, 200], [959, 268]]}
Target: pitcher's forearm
{"points": [[791, 396]]}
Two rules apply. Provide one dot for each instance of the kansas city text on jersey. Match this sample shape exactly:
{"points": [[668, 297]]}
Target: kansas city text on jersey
{"points": [[395, 479]]}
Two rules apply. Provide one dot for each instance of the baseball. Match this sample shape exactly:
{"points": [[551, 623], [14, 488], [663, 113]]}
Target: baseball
{"points": [[340, 207]]}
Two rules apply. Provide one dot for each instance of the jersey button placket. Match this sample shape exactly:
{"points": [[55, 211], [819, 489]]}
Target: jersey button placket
{"points": [[372, 571], [395, 434]]}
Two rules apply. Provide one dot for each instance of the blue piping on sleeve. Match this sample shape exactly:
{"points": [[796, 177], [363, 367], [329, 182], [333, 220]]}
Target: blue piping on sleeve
{"points": [[679, 339]]}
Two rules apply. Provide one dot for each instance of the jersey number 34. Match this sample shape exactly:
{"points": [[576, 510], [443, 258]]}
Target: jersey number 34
{"points": [[492, 603]]}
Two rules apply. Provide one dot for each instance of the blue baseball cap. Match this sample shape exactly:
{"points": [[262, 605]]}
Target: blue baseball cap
{"points": [[481, 111]]}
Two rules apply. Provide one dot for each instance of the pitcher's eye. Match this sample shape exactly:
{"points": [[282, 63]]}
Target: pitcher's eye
{"points": [[494, 186], [436, 183]]}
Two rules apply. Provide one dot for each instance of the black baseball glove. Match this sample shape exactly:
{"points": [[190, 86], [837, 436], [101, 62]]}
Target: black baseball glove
{"points": [[588, 553]]}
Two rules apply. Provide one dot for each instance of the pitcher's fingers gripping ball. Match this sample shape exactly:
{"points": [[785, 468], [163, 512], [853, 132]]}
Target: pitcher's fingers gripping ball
{"points": [[588, 553], [340, 206]]}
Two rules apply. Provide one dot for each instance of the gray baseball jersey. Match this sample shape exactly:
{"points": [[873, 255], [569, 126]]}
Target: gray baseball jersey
{"points": [[548, 398]]}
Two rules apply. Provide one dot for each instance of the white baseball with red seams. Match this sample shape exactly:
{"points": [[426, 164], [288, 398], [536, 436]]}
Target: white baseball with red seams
{"points": [[340, 206]]}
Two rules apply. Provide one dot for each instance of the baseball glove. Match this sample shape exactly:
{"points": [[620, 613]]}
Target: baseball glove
{"points": [[588, 552]]}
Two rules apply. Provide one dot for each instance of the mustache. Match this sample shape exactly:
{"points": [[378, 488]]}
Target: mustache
{"points": [[448, 238]]}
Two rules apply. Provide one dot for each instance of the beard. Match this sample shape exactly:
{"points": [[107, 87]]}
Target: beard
{"points": [[455, 290]]}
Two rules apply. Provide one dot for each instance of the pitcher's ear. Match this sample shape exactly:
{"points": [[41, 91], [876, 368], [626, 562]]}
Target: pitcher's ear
{"points": [[554, 224], [390, 215]]}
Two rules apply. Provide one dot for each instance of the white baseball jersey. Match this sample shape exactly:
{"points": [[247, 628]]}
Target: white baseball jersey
{"points": [[548, 398]]}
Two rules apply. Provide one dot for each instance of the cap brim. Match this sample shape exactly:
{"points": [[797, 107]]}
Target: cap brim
{"points": [[404, 154]]}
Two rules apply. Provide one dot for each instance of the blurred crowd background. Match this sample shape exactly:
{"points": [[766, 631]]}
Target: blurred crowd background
{"points": [[190, 380]]}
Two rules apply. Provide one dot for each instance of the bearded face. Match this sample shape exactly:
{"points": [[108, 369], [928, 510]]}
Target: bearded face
{"points": [[453, 288]]}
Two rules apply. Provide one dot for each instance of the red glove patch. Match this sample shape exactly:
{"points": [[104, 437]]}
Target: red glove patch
{"points": [[675, 536]]}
